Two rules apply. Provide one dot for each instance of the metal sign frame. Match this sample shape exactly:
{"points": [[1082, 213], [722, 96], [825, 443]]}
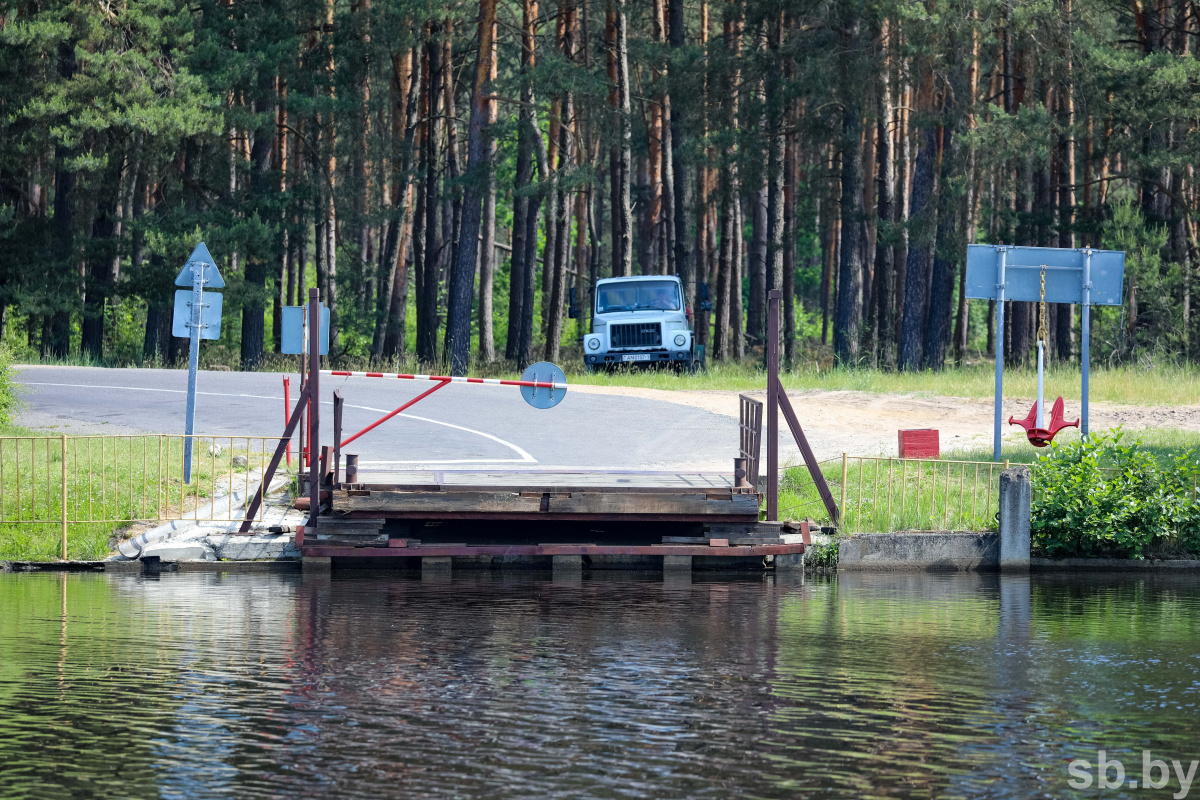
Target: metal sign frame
{"points": [[1081, 275], [292, 340], [210, 314], [198, 272]]}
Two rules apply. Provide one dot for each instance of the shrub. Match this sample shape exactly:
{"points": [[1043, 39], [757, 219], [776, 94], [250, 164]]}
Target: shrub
{"points": [[1103, 497], [9, 402]]}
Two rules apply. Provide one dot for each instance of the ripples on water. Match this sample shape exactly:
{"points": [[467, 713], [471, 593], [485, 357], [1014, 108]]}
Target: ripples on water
{"points": [[611, 687]]}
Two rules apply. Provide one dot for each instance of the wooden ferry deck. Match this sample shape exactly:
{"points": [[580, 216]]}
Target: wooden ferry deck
{"points": [[591, 496], [506, 513]]}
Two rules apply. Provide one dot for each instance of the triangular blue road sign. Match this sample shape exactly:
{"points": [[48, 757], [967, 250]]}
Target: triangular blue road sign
{"points": [[201, 254]]}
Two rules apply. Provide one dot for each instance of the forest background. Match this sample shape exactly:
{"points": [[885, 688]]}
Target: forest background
{"points": [[447, 172]]}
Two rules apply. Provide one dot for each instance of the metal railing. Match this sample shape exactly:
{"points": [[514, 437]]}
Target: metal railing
{"points": [[880, 494], [90, 480], [750, 416]]}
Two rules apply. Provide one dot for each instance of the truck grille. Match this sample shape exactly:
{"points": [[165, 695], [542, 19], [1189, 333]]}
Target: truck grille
{"points": [[639, 334]]}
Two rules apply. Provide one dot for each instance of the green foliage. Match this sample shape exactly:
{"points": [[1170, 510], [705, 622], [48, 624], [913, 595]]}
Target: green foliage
{"points": [[821, 557], [1105, 497], [9, 402], [1154, 320]]}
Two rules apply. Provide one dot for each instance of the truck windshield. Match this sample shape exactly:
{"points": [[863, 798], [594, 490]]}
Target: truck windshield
{"points": [[637, 296]]}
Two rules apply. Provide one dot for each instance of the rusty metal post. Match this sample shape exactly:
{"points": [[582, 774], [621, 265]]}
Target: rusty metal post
{"points": [[338, 402], [845, 479], [64, 497], [326, 469], [773, 297], [351, 468], [741, 473], [287, 412], [314, 407]]}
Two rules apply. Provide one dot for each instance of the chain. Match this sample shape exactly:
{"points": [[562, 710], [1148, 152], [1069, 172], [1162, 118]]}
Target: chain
{"points": [[1042, 334]]}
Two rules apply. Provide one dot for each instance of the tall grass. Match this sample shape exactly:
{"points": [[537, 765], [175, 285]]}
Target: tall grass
{"points": [[885, 494]]}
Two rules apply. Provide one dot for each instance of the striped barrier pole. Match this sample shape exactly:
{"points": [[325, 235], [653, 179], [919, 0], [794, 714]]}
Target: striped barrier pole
{"points": [[441, 378]]}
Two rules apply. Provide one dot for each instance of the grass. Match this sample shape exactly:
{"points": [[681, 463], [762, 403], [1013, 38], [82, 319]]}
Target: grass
{"points": [[112, 481], [889, 495]]}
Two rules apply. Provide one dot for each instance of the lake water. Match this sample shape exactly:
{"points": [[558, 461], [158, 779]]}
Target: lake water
{"points": [[614, 686]]}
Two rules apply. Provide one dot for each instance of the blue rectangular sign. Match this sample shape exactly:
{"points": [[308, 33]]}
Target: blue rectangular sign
{"points": [[292, 330], [210, 315], [1064, 274]]}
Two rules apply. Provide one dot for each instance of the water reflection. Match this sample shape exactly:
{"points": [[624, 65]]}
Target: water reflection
{"points": [[610, 686]]}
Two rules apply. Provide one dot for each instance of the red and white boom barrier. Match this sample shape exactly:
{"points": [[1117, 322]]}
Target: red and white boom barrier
{"points": [[442, 379], [529, 385]]}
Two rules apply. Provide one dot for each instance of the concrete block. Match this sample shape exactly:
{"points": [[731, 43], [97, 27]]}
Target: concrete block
{"points": [[951, 551], [568, 564], [259, 547], [1016, 494], [180, 551], [677, 563], [133, 567], [439, 565], [789, 562], [317, 563]]}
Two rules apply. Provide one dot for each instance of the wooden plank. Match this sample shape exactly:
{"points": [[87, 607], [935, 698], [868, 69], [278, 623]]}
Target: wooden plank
{"points": [[546, 516], [389, 503], [555, 550], [604, 503], [538, 480], [646, 503], [347, 541], [752, 528]]}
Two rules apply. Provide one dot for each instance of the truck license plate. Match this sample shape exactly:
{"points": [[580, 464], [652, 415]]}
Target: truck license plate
{"points": [[636, 357]]}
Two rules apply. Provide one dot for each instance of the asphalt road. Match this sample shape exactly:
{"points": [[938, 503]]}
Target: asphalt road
{"points": [[462, 426]]}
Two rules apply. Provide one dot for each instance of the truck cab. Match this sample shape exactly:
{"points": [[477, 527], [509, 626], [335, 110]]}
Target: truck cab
{"points": [[639, 320]]}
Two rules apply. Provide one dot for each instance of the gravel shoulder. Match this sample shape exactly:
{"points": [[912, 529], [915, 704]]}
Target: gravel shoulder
{"points": [[865, 423]]}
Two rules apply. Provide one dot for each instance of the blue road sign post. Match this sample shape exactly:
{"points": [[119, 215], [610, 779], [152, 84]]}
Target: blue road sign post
{"points": [[1080, 275], [197, 316], [544, 396], [293, 327]]}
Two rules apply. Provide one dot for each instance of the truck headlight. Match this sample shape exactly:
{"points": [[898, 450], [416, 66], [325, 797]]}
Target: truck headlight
{"points": [[593, 343], [679, 340]]}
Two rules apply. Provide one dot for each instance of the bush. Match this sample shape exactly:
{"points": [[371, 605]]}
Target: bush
{"points": [[8, 392], [1102, 497]]}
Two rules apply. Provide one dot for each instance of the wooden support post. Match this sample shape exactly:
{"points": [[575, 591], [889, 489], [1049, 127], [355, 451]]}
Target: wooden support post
{"points": [[297, 414], [338, 401], [314, 413], [773, 404], [810, 459]]}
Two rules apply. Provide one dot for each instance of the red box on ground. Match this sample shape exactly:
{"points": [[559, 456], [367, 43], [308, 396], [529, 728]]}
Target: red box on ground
{"points": [[919, 443]]}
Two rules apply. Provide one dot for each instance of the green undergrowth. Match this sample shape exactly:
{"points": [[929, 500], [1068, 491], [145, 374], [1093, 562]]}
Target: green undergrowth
{"points": [[1114, 494], [1110, 496]]}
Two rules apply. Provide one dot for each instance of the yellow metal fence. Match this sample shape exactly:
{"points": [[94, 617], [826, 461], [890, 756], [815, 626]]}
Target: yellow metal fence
{"points": [[878, 494], [81, 482], [881, 494]]}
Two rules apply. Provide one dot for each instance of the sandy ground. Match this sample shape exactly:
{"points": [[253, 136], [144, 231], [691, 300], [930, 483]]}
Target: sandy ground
{"points": [[865, 423]]}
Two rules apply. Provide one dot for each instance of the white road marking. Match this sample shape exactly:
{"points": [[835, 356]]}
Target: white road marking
{"points": [[525, 457]]}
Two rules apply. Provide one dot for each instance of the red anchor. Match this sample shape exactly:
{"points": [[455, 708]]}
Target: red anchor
{"points": [[1040, 437]]}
